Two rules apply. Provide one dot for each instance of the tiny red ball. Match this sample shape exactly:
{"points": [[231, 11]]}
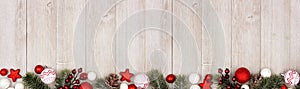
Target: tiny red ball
{"points": [[77, 81], [79, 70], [60, 87], [67, 80], [75, 87], [70, 76], [220, 83], [171, 78], [74, 71], [3, 72], [228, 87], [38, 69], [83, 76], [220, 70], [66, 87], [132, 86], [227, 70], [233, 79], [227, 76], [283, 86]]}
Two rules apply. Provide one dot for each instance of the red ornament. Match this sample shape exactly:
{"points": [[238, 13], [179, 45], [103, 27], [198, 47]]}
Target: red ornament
{"points": [[132, 86], [227, 70], [171, 78], [74, 71], [14, 74], [79, 70], [83, 76], [85, 85], [38, 69], [206, 82], [66, 87], [284, 86], [126, 75], [242, 75], [3, 72]]}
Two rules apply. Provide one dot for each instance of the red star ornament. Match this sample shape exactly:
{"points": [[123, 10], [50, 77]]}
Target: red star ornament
{"points": [[126, 75], [206, 82], [14, 74]]}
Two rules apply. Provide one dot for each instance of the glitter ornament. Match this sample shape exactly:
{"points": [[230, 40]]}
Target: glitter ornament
{"points": [[48, 76], [291, 77], [141, 81]]}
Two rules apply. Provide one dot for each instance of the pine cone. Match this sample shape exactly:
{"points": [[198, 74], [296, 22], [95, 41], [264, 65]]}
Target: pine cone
{"points": [[112, 81], [256, 79]]}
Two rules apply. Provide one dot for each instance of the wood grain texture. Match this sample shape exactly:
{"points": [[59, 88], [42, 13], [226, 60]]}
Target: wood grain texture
{"points": [[295, 34], [13, 34], [41, 33], [68, 13], [246, 30], [187, 44], [275, 35]]}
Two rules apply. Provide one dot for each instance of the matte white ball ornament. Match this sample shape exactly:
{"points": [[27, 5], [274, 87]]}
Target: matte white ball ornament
{"points": [[19, 86], [4, 83], [195, 87], [245, 86], [194, 78], [123, 86], [92, 76], [266, 72]]}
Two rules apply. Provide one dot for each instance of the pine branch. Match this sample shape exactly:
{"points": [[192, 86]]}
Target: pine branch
{"points": [[33, 81], [181, 82], [62, 75], [275, 81], [100, 83], [157, 79]]}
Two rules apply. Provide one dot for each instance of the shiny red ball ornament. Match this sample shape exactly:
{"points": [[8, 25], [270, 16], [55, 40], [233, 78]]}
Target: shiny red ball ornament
{"points": [[83, 76], [132, 86], [284, 86], [3, 72], [85, 85], [242, 75], [171, 78], [38, 69]]}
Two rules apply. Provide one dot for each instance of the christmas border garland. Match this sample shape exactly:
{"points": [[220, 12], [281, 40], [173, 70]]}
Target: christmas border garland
{"points": [[47, 78]]}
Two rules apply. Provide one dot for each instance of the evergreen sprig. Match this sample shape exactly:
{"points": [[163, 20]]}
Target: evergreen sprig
{"points": [[157, 80], [100, 83], [275, 81], [181, 82], [60, 78], [33, 81]]}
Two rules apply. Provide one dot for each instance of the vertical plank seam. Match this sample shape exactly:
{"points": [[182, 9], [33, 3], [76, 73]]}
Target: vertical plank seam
{"points": [[260, 18], [231, 55], [290, 35], [57, 34], [172, 37], [26, 58]]}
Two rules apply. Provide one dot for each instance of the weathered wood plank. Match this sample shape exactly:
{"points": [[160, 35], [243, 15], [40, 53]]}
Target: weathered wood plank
{"points": [[295, 34], [246, 34], [13, 34], [275, 35], [41, 33]]}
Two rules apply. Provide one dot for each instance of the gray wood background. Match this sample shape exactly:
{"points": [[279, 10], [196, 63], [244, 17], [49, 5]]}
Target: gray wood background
{"points": [[175, 36]]}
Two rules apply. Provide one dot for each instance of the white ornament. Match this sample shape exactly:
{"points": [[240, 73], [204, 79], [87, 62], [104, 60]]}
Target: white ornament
{"points": [[4, 83], [194, 78], [92, 76], [123, 86], [48, 76], [141, 81], [195, 87], [266, 72], [291, 77], [245, 87], [10, 88], [19, 86]]}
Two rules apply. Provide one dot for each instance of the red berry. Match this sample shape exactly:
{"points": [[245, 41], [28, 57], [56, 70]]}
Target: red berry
{"points": [[67, 80], [70, 76], [79, 70], [220, 70], [227, 70], [233, 79], [227, 76], [237, 85], [77, 81], [220, 83], [60, 87], [228, 87], [66, 87], [74, 71], [75, 87], [38, 69]]}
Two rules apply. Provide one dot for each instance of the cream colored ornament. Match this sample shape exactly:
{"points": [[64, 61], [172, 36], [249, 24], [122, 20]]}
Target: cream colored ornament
{"points": [[291, 77], [245, 86], [10, 88], [266, 72], [195, 87], [194, 78], [141, 81], [19, 86], [123, 86], [92, 76], [4, 83]]}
